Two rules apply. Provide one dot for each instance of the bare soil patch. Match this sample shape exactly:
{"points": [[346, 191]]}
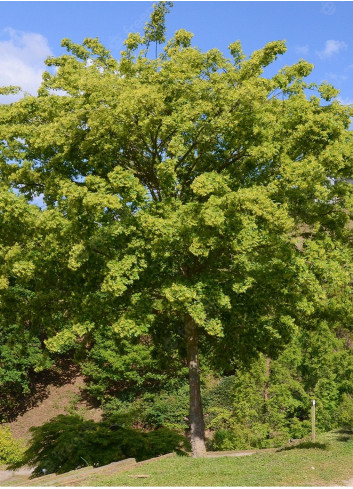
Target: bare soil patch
{"points": [[56, 398]]}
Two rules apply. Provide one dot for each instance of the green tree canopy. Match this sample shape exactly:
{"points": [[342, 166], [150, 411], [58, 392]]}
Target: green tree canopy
{"points": [[189, 198]]}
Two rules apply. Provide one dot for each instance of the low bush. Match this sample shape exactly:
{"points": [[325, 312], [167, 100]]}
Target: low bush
{"points": [[167, 409], [240, 437], [345, 413], [125, 414], [152, 411], [11, 450], [70, 442]]}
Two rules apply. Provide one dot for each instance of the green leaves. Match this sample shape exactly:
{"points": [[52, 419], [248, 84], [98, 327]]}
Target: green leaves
{"points": [[121, 274], [11, 450], [155, 29], [189, 185]]}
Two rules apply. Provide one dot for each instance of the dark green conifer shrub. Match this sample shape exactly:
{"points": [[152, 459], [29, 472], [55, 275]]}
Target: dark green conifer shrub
{"points": [[259, 408]]}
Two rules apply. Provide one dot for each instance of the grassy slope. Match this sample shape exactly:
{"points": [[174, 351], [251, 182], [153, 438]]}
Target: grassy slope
{"points": [[328, 465]]}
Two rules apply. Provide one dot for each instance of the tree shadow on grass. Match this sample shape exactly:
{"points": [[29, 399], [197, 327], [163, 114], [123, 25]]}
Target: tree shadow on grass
{"points": [[344, 438], [345, 434], [304, 445]]}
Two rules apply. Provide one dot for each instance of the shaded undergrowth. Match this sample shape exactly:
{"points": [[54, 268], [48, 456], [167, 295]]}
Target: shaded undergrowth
{"points": [[305, 445], [70, 442]]}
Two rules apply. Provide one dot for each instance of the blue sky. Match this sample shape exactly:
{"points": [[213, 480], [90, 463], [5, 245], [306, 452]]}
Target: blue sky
{"points": [[320, 32]]}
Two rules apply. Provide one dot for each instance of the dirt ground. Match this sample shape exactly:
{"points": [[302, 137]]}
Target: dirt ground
{"points": [[56, 399]]}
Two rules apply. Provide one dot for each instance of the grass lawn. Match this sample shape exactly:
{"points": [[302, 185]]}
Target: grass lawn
{"points": [[329, 463]]}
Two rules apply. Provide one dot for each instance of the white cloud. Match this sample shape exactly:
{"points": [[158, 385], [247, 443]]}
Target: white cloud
{"points": [[302, 50], [22, 58], [336, 77], [331, 47], [38, 201], [345, 100]]}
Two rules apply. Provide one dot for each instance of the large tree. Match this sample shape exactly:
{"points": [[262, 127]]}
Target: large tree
{"points": [[193, 201]]}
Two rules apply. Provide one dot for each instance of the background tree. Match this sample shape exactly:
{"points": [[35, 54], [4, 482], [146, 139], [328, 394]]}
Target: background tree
{"points": [[21, 341], [191, 198], [261, 407]]}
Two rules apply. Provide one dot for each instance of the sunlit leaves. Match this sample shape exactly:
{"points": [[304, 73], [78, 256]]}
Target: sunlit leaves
{"points": [[180, 185]]}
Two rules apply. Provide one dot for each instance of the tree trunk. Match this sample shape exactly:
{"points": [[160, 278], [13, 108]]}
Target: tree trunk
{"points": [[267, 378], [196, 415]]}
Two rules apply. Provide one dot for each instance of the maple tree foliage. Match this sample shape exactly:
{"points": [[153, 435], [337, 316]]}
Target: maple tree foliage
{"points": [[189, 198]]}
